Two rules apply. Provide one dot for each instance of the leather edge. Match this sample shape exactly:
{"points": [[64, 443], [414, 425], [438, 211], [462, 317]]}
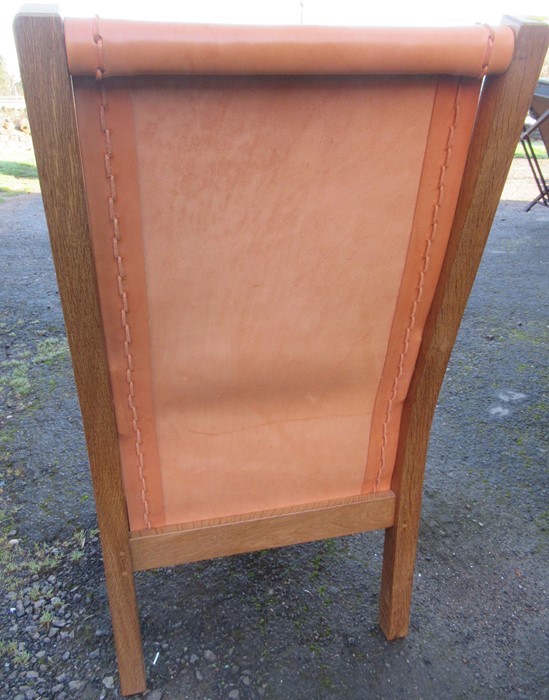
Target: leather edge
{"points": [[108, 48]]}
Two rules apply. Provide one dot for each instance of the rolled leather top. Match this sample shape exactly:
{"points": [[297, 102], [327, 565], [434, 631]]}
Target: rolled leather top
{"points": [[106, 48]]}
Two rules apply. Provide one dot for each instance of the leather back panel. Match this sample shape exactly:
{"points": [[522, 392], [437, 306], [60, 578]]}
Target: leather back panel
{"points": [[267, 249]]}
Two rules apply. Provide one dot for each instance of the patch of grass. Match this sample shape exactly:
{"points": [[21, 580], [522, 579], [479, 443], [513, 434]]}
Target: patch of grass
{"points": [[80, 538], [51, 349], [531, 333], [8, 648], [21, 657], [35, 593], [18, 175], [7, 435], [14, 374], [45, 559], [17, 378], [15, 651], [46, 619]]}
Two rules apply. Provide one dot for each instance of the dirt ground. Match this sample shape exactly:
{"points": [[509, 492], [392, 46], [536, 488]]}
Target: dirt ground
{"points": [[300, 622]]}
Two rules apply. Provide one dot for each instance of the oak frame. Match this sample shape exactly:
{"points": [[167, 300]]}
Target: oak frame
{"points": [[504, 101]]}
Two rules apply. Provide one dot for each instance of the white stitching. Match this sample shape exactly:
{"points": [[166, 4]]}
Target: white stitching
{"points": [[120, 276], [419, 292]]}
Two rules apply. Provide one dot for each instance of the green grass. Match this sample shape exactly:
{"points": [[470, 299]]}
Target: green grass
{"points": [[16, 378], [18, 173], [51, 349], [539, 150]]}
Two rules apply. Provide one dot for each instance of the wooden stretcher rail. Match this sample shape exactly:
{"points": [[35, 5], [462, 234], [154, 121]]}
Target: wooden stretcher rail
{"points": [[317, 522]]}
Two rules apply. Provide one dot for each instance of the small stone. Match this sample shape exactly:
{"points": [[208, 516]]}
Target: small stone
{"points": [[246, 680], [52, 579], [43, 668], [155, 695], [30, 694], [194, 659], [234, 694], [94, 654], [199, 676], [75, 685], [53, 631], [101, 633], [12, 544], [40, 654], [66, 656], [57, 688], [108, 682], [58, 622], [210, 657], [31, 675]]}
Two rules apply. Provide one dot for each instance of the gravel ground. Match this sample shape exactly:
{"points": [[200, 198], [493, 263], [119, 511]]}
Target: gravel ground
{"points": [[298, 622]]}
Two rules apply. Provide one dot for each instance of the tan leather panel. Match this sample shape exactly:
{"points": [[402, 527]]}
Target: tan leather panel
{"points": [[450, 133], [274, 250], [113, 47], [105, 123], [263, 295]]}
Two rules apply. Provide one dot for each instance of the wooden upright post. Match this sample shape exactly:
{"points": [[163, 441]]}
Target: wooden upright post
{"points": [[48, 93], [503, 106]]}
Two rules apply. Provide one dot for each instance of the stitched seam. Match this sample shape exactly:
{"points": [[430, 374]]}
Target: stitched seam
{"points": [[124, 311], [419, 289], [488, 53], [98, 41]]}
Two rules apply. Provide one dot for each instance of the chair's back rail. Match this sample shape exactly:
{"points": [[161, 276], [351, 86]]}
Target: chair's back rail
{"points": [[107, 48]]}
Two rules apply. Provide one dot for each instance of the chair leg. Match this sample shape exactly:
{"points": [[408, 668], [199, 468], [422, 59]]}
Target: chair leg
{"points": [[397, 579], [125, 621]]}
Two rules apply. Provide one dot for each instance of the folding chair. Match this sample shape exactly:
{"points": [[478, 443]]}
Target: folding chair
{"points": [[540, 109], [261, 285]]}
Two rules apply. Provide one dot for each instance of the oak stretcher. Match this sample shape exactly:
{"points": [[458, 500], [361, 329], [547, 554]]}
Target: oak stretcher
{"points": [[259, 328]]}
